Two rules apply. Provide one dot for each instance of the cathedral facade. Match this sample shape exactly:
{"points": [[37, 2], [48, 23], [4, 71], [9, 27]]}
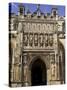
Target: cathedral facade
{"points": [[36, 48]]}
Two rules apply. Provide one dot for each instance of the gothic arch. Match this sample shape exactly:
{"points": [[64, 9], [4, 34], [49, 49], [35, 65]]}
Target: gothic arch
{"points": [[42, 57], [38, 68], [35, 58]]}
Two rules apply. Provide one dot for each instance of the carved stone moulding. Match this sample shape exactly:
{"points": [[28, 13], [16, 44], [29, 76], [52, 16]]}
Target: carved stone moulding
{"points": [[37, 39]]}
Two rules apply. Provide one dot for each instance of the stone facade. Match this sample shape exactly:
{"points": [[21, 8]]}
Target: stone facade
{"points": [[36, 38]]}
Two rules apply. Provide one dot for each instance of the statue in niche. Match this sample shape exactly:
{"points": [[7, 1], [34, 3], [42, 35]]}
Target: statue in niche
{"points": [[46, 40], [12, 24], [19, 26], [16, 60], [25, 39], [52, 61], [52, 58], [50, 40], [41, 40], [36, 39], [25, 58], [53, 70], [31, 39]]}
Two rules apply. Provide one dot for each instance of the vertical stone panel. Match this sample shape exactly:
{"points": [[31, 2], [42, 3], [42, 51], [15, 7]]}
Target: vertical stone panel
{"points": [[25, 70]]}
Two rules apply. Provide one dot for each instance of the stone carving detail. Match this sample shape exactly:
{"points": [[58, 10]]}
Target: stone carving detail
{"points": [[25, 69], [52, 62], [50, 39], [17, 51], [12, 24], [52, 58], [16, 60], [16, 73], [25, 39], [37, 27], [36, 39], [46, 40], [52, 70], [41, 39], [33, 26], [19, 26], [24, 59], [31, 39]]}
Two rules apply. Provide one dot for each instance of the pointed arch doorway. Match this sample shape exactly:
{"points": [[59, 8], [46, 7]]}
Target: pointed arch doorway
{"points": [[38, 73]]}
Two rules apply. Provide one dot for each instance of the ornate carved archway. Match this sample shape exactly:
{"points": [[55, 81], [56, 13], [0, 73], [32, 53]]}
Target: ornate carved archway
{"points": [[38, 73]]}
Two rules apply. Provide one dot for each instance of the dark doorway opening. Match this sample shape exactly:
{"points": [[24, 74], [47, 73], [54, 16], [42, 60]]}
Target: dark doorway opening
{"points": [[38, 73]]}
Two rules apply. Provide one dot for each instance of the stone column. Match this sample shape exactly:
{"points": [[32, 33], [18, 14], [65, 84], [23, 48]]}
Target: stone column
{"points": [[25, 70]]}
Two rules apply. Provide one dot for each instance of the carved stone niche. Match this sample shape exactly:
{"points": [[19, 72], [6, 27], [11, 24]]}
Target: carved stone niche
{"points": [[51, 39], [25, 39], [16, 73], [46, 40], [53, 71], [31, 39], [41, 39], [25, 59], [17, 60], [52, 66], [52, 58], [47, 58], [36, 39]]}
